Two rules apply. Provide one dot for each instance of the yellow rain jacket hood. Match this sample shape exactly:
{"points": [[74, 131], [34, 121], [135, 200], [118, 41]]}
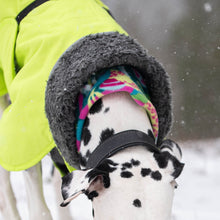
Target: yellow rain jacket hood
{"points": [[49, 55]]}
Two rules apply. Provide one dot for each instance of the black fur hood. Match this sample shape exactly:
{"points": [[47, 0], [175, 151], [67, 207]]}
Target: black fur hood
{"points": [[89, 55]]}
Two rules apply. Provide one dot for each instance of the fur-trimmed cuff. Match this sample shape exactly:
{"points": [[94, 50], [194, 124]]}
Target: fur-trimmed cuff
{"points": [[89, 55]]}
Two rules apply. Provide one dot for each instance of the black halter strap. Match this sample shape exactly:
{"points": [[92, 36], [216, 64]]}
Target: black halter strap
{"points": [[28, 9], [119, 142]]}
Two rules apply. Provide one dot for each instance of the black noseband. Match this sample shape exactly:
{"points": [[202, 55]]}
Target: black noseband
{"points": [[119, 142]]}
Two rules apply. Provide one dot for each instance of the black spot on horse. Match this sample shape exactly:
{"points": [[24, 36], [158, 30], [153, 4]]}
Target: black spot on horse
{"points": [[92, 195], [156, 175], [106, 181], [107, 165], [93, 213], [135, 162], [162, 159], [127, 165], [126, 174], [82, 160], [137, 203], [106, 110], [97, 107], [86, 135], [145, 172], [107, 133], [86, 122]]}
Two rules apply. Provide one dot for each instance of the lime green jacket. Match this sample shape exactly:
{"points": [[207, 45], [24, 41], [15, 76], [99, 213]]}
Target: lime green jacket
{"points": [[28, 52], [45, 61]]}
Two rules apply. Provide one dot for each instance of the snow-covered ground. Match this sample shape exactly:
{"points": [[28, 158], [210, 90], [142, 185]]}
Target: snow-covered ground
{"points": [[198, 194], [197, 197]]}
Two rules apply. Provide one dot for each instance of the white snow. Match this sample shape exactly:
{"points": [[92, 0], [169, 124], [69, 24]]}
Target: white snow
{"points": [[198, 194], [196, 198]]}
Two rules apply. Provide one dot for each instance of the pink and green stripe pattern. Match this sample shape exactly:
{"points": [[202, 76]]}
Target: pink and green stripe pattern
{"points": [[117, 79]]}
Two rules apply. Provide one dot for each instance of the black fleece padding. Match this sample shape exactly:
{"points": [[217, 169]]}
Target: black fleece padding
{"points": [[90, 55]]}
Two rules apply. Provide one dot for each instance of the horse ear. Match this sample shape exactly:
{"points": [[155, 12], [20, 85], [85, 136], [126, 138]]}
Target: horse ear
{"points": [[170, 157], [79, 181], [174, 154], [172, 147]]}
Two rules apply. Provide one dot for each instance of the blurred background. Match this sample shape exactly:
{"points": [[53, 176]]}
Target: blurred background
{"points": [[185, 37]]}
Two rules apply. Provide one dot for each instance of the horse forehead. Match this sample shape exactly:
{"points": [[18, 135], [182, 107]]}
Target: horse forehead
{"points": [[133, 170]]}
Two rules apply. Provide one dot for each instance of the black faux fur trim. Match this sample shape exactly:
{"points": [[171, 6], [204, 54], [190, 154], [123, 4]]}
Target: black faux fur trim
{"points": [[89, 55]]}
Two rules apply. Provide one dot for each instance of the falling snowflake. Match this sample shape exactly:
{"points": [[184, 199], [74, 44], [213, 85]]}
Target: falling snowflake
{"points": [[207, 7], [182, 122]]}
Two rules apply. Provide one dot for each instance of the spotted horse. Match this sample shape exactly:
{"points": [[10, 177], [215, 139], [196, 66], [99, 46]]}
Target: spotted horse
{"points": [[123, 172]]}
